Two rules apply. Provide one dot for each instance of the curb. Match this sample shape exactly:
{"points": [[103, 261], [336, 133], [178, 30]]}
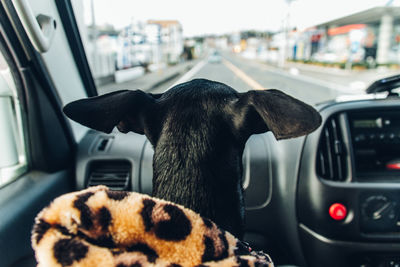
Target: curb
{"points": [[164, 80], [168, 78]]}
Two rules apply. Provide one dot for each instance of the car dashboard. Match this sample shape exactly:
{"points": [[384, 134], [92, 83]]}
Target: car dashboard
{"points": [[328, 199]]}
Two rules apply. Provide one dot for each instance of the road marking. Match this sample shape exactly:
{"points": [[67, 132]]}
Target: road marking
{"points": [[246, 78], [314, 81], [188, 75], [336, 87]]}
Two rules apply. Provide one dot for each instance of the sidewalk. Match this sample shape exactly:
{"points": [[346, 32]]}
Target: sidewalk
{"points": [[357, 80], [150, 81]]}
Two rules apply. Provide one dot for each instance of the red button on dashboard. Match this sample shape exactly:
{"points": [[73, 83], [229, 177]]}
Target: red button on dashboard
{"points": [[393, 166], [337, 211]]}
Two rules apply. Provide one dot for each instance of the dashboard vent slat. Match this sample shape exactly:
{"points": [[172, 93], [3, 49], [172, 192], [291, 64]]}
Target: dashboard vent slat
{"points": [[331, 156], [115, 174]]}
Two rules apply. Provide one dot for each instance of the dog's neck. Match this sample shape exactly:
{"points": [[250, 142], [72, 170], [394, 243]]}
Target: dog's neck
{"points": [[201, 175]]}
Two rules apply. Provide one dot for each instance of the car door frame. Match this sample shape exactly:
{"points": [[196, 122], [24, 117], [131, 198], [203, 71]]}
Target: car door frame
{"points": [[50, 167]]}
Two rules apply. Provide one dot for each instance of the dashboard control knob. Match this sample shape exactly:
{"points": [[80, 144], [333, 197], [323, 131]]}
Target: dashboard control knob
{"points": [[378, 214], [377, 208]]}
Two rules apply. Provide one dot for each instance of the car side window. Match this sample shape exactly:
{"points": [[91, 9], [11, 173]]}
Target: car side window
{"points": [[13, 156]]}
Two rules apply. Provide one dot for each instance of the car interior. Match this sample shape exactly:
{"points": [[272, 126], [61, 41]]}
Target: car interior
{"points": [[331, 198]]}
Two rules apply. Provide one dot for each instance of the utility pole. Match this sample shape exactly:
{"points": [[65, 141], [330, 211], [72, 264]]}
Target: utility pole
{"points": [[286, 29], [94, 35]]}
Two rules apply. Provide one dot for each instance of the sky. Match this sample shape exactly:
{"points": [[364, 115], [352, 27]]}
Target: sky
{"points": [[225, 16]]}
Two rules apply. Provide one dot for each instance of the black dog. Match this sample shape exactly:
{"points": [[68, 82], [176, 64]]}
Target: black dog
{"points": [[198, 130]]}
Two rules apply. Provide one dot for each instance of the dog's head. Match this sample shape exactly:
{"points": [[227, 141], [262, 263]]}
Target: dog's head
{"points": [[198, 130], [192, 105]]}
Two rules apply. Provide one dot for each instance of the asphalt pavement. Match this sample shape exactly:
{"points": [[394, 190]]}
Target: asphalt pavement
{"points": [[244, 75], [310, 85], [354, 81], [150, 81]]}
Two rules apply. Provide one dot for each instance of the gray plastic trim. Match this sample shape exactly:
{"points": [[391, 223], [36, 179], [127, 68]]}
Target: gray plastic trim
{"points": [[40, 29], [122, 147]]}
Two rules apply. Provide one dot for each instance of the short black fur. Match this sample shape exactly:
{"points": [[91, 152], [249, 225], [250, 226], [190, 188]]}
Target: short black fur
{"points": [[198, 131]]}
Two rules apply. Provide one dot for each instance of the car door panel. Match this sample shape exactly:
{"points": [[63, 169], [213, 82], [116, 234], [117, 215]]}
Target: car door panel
{"points": [[49, 140], [20, 202]]}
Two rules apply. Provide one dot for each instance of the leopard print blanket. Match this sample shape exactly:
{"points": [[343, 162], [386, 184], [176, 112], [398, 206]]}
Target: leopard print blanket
{"points": [[100, 227]]}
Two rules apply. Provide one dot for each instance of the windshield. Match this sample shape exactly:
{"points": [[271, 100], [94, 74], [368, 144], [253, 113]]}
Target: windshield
{"points": [[313, 50]]}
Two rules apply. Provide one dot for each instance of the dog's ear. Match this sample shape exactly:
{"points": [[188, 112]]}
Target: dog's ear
{"points": [[104, 112], [272, 110]]}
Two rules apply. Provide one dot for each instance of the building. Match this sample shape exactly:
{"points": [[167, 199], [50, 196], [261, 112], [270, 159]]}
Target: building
{"points": [[171, 37], [371, 36]]}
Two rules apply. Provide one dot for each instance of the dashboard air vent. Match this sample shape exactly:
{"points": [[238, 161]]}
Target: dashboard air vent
{"points": [[331, 155], [114, 174]]}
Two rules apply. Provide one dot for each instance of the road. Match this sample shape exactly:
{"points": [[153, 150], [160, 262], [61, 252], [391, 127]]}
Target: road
{"points": [[244, 75]]}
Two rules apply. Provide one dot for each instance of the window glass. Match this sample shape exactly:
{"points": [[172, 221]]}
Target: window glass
{"points": [[13, 161], [314, 50]]}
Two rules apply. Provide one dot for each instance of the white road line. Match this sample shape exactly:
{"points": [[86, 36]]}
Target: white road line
{"points": [[246, 78], [188, 75], [308, 79], [315, 81], [255, 85]]}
